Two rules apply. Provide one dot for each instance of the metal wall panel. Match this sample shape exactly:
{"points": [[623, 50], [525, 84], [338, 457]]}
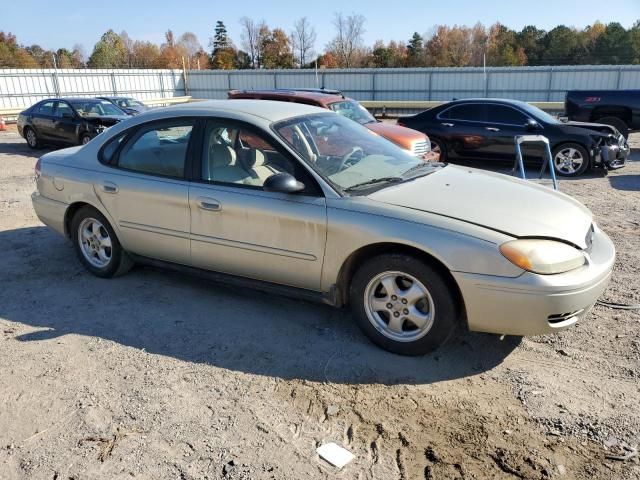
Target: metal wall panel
{"points": [[21, 88]]}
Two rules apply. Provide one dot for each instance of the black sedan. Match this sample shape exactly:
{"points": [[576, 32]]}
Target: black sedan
{"points": [[67, 121], [130, 105], [484, 129]]}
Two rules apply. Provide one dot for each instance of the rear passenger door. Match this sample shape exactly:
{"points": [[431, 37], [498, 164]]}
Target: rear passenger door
{"points": [[145, 189], [463, 130], [44, 120]]}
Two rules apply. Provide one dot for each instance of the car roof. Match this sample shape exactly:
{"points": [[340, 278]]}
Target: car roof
{"points": [[503, 101], [325, 97], [270, 110], [79, 99]]}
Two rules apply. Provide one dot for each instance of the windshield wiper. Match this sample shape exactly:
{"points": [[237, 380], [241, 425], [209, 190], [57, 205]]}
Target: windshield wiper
{"points": [[420, 166], [373, 181]]}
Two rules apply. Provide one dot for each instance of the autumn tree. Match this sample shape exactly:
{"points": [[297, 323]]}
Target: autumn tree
{"points": [[276, 50], [303, 39]]}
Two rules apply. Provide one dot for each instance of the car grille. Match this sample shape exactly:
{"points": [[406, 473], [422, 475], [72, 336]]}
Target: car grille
{"points": [[421, 148]]}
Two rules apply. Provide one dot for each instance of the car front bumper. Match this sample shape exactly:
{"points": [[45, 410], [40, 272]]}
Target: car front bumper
{"points": [[50, 212], [533, 304]]}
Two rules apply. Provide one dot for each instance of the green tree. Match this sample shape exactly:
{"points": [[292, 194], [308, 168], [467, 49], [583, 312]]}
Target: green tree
{"points": [[276, 50], [415, 51], [530, 40], [634, 35], [560, 46], [109, 52], [223, 53], [614, 46]]}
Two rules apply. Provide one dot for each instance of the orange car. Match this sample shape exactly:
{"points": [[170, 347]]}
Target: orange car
{"points": [[411, 140]]}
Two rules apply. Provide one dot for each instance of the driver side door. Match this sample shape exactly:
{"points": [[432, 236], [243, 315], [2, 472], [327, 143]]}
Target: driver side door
{"points": [[241, 229]]}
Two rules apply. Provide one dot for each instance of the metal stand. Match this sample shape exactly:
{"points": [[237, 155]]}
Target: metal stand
{"points": [[519, 164]]}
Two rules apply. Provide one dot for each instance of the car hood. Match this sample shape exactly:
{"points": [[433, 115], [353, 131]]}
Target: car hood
{"points": [[594, 127], [498, 202], [107, 120], [405, 137]]}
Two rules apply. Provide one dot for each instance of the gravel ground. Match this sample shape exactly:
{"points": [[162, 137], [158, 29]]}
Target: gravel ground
{"points": [[159, 375]]}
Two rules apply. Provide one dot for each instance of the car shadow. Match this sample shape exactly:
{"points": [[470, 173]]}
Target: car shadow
{"points": [[13, 144], [629, 183], [47, 291]]}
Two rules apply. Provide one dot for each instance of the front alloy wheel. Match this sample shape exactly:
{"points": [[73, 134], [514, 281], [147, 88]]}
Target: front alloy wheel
{"points": [[403, 304], [399, 306], [570, 160]]}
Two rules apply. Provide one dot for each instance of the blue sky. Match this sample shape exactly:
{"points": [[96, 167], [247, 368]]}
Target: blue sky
{"points": [[63, 23]]}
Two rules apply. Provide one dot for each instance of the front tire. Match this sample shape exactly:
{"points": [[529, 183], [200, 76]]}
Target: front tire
{"points": [[403, 304], [570, 160], [96, 244], [618, 123], [439, 147], [85, 139]]}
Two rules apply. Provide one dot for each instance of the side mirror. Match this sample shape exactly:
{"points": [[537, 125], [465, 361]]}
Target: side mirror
{"points": [[282, 182], [532, 124]]}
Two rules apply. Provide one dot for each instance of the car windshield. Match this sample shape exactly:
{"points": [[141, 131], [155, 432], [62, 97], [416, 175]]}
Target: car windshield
{"points": [[539, 114], [352, 110], [347, 155], [128, 102], [97, 108]]}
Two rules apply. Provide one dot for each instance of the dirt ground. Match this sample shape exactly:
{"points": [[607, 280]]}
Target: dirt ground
{"points": [[161, 376]]}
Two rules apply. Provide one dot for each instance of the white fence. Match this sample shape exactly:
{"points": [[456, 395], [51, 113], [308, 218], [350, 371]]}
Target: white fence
{"points": [[21, 88]]}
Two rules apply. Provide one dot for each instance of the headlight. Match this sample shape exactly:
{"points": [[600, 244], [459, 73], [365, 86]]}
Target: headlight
{"points": [[542, 256]]}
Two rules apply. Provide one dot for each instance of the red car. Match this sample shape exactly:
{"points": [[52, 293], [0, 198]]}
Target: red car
{"points": [[411, 140]]}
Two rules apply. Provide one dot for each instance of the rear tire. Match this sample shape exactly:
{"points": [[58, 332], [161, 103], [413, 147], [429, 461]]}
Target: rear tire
{"points": [[84, 139], [570, 159], [96, 244], [403, 304], [31, 137], [618, 123]]}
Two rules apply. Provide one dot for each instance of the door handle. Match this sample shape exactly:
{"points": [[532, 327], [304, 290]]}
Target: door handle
{"points": [[447, 124], [492, 129], [211, 204], [108, 187]]}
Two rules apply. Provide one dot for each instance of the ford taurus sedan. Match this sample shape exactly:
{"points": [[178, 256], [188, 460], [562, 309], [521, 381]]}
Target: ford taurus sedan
{"points": [[296, 199]]}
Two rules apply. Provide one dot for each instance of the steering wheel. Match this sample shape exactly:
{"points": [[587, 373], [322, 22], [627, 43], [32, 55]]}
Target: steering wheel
{"points": [[354, 156]]}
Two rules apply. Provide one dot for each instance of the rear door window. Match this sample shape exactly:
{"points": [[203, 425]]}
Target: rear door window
{"points": [[471, 112], [158, 149], [46, 108]]}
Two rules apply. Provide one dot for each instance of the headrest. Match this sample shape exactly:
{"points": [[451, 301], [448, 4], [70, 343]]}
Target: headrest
{"points": [[252, 158], [221, 155]]}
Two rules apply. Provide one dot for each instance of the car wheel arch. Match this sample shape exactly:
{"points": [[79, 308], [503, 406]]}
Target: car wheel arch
{"points": [[77, 205], [351, 264]]}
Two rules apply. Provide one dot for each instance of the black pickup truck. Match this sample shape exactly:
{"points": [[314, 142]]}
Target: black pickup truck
{"points": [[618, 108]]}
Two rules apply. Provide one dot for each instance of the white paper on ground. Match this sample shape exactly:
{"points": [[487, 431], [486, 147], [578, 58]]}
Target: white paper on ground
{"points": [[335, 454]]}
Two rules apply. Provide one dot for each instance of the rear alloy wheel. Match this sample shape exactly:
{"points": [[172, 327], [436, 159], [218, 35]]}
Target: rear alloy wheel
{"points": [[403, 305], [438, 146], [570, 160], [96, 244], [85, 139], [32, 138]]}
